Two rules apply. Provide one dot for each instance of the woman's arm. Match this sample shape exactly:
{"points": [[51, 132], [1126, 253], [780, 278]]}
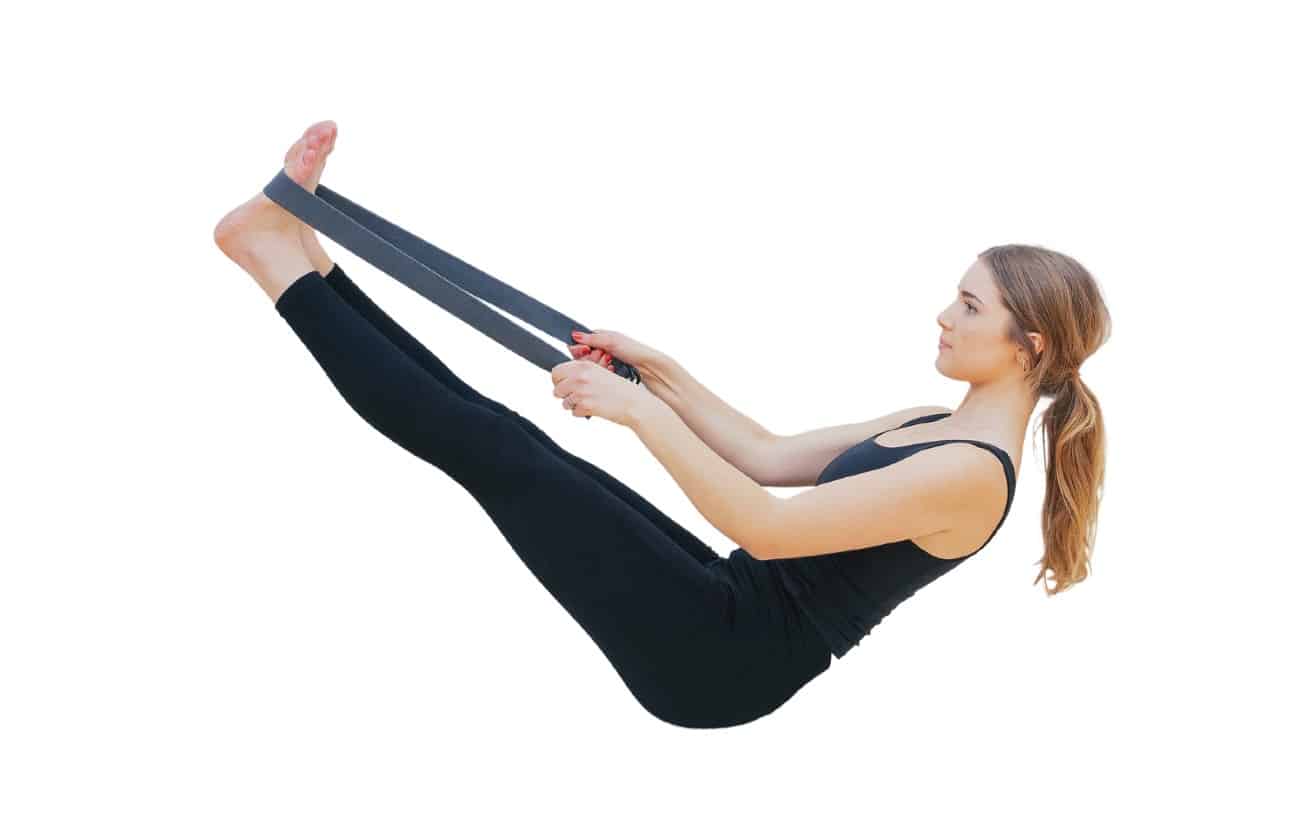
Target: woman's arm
{"points": [[735, 437], [732, 502]]}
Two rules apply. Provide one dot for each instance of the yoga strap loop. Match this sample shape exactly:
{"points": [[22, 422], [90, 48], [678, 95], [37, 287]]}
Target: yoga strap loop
{"points": [[439, 276]]}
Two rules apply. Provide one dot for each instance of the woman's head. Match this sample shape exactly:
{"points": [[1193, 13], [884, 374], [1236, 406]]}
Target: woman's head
{"points": [[979, 331], [1033, 314]]}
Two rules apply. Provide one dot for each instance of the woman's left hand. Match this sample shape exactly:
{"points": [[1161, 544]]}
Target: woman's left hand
{"points": [[591, 390]]}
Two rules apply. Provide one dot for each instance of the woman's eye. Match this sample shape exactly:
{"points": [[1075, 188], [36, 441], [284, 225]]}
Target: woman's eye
{"points": [[971, 308]]}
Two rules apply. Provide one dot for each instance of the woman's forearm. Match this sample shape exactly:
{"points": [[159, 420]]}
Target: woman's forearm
{"points": [[735, 437], [733, 503]]}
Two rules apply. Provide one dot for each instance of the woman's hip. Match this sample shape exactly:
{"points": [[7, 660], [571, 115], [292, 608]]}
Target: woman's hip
{"points": [[767, 651]]}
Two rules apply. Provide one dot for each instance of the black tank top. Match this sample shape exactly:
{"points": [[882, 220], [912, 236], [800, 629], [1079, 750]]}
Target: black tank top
{"points": [[845, 594]]}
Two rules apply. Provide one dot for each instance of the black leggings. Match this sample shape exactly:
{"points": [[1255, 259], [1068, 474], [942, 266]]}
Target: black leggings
{"points": [[699, 640]]}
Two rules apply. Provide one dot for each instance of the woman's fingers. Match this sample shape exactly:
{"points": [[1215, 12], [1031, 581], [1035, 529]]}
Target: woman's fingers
{"points": [[582, 351]]}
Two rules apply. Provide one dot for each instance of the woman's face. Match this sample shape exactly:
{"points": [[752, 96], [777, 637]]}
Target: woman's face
{"points": [[974, 328]]}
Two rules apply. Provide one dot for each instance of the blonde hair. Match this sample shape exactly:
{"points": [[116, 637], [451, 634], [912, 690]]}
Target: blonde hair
{"points": [[1052, 294]]}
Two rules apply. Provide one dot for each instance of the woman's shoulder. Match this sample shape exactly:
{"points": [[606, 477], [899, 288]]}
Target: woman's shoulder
{"points": [[917, 412]]}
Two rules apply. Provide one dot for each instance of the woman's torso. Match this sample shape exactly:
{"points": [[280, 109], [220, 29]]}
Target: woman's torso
{"points": [[847, 593]]}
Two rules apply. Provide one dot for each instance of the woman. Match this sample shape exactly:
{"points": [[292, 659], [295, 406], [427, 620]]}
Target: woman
{"points": [[700, 640]]}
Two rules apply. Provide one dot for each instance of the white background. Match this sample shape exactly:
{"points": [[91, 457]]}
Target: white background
{"points": [[221, 592]]}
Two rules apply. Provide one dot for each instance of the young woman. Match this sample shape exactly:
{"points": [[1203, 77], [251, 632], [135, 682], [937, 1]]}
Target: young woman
{"points": [[700, 640]]}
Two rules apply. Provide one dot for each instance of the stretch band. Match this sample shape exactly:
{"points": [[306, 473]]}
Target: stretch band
{"points": [[439, 276]]}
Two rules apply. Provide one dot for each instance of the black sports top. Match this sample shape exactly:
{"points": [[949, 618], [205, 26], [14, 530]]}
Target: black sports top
{"points": [[845, 594]]}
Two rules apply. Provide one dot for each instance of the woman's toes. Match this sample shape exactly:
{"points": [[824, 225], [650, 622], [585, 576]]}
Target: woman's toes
{"points": [[305, 160], [298, 166], [320, 134]]}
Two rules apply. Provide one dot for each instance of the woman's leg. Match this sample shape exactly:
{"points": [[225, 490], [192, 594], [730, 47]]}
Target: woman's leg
{"points": [[695, 644], [371, 311]]}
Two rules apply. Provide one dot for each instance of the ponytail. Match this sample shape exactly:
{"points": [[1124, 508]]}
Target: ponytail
{"points": [[1076, 464], [1053, 295]]}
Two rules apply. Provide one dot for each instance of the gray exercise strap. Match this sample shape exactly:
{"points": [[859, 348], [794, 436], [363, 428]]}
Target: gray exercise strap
{"points": [[437, 275]]}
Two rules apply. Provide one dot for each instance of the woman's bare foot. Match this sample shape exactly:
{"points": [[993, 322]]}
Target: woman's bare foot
{"points": [[265, 239], [322, 141]]}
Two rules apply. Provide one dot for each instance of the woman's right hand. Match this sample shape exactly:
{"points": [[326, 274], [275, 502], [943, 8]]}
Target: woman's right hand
{"points": [[602, 346]]}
